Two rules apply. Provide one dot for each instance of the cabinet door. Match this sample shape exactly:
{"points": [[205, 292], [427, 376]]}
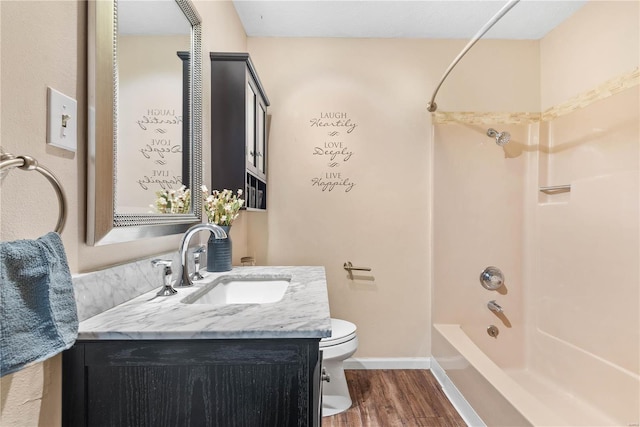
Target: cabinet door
{"points": [[261, 152], [318, 379], [250, 124], [192, 383]]}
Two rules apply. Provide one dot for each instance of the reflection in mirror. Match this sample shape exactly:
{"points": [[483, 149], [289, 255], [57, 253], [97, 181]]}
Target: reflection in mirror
{"points": [[145, 120], [151, 36]]}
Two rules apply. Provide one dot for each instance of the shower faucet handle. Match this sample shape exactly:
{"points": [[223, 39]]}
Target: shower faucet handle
{"points": [[494, 306], [491, 278]]}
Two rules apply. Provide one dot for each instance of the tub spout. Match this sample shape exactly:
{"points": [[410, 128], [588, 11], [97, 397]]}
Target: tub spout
{"points": [[494, 306]]}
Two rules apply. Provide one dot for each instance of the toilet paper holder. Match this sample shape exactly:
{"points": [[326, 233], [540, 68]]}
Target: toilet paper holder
{"points": [[349, 267]]}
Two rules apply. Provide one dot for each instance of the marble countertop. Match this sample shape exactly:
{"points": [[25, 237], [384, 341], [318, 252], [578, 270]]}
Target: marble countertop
{"points": [[303, 312]]}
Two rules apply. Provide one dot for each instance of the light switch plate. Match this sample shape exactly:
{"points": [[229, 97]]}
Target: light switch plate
{"points": [[62, 120]]}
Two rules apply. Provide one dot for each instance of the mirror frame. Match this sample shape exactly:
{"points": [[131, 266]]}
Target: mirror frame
{"points": [[104, 224]]}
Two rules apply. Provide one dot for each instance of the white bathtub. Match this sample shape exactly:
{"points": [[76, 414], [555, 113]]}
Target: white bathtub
{"points": [[501, 397]]}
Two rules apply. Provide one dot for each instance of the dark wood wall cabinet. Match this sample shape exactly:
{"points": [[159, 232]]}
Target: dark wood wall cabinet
{"points": [[238, 128], [225, 383]]}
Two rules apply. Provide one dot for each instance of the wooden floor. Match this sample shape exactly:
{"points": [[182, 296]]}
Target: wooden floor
{"points": [[395, 398]]}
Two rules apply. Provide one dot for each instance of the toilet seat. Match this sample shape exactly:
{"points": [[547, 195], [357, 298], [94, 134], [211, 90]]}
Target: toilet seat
{"points": [[341, 332]]}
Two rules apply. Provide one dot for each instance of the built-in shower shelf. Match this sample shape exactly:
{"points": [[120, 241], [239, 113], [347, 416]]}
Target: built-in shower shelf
{"points": [[555, 189]]}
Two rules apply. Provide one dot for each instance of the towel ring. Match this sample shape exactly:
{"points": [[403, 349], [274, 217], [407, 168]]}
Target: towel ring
{"points": [[28, 163]]}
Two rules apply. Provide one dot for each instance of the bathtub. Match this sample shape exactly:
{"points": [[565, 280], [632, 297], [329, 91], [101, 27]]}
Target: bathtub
{"points": [[486, 394]]}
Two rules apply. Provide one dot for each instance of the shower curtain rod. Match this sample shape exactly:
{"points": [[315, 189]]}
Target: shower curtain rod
{"points": [[432, 106]]}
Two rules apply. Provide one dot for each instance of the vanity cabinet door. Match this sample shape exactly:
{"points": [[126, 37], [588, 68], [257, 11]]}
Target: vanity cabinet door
{"points": [[227, 383], [238, 128], [318, 380]]}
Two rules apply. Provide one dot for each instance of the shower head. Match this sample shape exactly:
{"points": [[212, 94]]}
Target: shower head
{"points": [[502, 138]]}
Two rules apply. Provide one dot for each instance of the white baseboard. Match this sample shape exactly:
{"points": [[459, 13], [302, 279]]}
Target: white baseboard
{"points": [[387, 363], [456, 398]]}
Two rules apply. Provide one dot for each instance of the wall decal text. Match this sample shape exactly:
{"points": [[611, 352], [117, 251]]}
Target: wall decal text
{"points": [[333, 149]]}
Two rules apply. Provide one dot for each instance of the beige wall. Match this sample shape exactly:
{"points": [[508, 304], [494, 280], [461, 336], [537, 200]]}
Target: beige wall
{"points": [[44, 44], [383, 222], [33, 59], [598, 42]]}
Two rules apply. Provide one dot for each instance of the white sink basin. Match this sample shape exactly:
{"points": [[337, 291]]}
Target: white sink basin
{"points": [[241, 291]]}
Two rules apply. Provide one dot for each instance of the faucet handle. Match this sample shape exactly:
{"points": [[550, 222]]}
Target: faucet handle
{"points": [[494, 306], [167, 289], [196, 262]]}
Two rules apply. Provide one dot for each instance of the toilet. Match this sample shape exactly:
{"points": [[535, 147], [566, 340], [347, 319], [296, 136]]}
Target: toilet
{"points": [[341, 345]]}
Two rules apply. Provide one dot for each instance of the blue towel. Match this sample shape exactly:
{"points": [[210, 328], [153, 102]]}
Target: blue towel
{"points": [[38, 315]]}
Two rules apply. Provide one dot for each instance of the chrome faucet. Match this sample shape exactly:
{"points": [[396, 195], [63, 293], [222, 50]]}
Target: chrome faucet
{"points": [[494, 306], [217, 232]]}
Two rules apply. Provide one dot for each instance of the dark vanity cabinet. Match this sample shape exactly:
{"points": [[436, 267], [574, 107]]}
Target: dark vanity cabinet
{"points": [[238, 128], [225, 383]]}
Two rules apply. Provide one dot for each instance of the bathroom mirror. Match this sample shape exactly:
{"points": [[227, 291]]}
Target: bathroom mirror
{"points": [[145, 117]]}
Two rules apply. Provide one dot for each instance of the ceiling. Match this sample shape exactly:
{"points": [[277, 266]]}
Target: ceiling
{"points": [[448, 19]]}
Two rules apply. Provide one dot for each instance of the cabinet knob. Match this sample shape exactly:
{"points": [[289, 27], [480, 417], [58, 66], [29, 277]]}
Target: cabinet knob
{"points": [[325, 377]]}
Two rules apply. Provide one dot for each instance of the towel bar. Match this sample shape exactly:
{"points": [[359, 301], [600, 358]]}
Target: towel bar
{"points": [[28, 163], [349, 267]]}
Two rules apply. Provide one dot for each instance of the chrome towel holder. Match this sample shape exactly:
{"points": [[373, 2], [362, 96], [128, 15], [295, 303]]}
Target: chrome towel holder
{"points": [[349, 267], [28, 163]]}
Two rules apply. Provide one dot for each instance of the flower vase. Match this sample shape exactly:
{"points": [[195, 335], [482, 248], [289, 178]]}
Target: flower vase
{"points": [[219, 252]]}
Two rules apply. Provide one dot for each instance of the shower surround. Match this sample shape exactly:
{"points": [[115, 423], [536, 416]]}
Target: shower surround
{"points": [[568, 350]]}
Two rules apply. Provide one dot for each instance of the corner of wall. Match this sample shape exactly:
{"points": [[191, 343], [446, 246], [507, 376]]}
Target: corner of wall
{"points": [[574, 46]]}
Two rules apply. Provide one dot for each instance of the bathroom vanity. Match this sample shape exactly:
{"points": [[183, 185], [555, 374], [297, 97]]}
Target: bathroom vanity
{"points": [[197, 359]]}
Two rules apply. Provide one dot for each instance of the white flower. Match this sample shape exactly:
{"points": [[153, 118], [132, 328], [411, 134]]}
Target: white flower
{"points": [[173, 201], [222, 206]]}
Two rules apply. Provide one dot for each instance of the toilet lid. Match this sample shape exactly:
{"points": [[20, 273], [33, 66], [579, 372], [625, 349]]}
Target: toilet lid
{"points": [[341, 331]]}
